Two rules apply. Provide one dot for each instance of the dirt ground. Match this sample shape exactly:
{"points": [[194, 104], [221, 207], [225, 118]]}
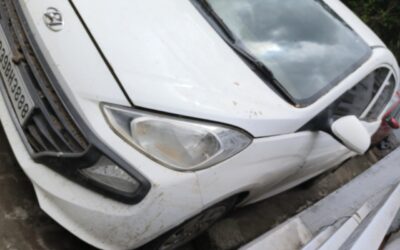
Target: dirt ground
{"points": [[23, 226]]}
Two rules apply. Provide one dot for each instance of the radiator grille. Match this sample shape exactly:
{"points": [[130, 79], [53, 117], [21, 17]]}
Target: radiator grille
{"points": [[50, 129]]}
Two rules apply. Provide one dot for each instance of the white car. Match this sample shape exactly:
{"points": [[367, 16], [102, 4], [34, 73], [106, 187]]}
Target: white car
{"points": [[140, 123]]}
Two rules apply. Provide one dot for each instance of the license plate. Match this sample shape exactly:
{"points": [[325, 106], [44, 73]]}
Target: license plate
{"points": [[17, 91]]}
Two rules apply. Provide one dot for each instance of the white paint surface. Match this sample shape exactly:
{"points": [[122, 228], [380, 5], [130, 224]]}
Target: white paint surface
{"points": [[161, 72]]}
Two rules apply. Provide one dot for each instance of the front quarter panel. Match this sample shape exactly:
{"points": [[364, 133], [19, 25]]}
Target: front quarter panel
{"points": [[262, 165]]}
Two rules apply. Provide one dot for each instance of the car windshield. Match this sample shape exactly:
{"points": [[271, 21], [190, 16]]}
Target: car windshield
{"points": [[305, 45]]}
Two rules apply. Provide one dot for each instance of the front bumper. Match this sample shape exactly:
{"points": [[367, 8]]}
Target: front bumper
{"points": [[103, 222], [96, 219], [54, 133]]}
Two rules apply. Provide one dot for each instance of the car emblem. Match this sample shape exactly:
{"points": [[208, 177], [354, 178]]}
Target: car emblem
{"points": [[53, 19]]}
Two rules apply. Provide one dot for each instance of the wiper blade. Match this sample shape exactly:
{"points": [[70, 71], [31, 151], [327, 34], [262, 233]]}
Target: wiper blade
{"points": [[222, 26], [232, 41], [230, 38], [257, 64]]}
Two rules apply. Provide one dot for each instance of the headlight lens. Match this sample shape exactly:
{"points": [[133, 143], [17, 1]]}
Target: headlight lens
{"points": [[176, 143]]}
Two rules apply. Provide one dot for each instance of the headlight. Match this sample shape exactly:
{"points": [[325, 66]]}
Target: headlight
{"points": [[176, 143]]}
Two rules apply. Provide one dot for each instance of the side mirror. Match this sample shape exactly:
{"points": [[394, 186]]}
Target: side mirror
{"points": [[352, 133]]}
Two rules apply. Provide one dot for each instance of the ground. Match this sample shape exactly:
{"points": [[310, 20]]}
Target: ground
{"points": [[24, 226]]}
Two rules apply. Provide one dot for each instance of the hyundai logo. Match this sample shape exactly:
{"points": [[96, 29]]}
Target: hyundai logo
{"points": [[53, 19]]}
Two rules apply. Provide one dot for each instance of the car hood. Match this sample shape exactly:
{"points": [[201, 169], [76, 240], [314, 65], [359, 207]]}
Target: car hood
{"points": [[181, 66]]}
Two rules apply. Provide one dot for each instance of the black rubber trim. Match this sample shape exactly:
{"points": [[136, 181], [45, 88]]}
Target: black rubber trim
{"points": [[99, 146]]}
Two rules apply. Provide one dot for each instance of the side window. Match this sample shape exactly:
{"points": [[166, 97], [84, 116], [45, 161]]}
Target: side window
{"points": [[382, 101], [358, 99]]}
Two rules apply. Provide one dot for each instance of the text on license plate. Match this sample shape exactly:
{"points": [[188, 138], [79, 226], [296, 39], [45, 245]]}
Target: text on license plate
{"points": [[20, 98]]}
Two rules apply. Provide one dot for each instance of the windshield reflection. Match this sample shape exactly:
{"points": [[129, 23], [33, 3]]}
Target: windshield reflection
{"points": [[306, 46]]}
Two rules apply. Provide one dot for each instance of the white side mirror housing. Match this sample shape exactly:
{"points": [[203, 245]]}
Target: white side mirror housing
{"points": [[352, 133]]}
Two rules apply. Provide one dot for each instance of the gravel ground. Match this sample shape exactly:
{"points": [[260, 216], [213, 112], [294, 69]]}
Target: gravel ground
{"points": [[24, 226]]}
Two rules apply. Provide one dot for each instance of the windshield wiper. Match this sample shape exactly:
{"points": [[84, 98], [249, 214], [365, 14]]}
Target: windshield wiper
{"points": [[236, 45], [217, 19]]}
